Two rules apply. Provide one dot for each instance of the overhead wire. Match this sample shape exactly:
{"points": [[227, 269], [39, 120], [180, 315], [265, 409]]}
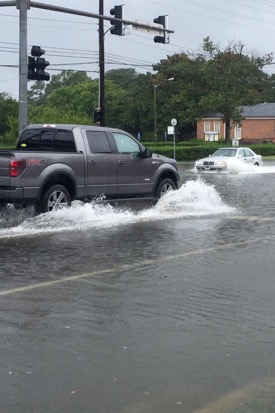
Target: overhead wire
{"points": [[218, 18], [78, 54]]}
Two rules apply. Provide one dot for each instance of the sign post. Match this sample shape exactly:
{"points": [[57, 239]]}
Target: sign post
{"points": [[173, 123]]}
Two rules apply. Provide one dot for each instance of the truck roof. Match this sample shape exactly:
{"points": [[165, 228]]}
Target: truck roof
{"points": [[72, 126]]}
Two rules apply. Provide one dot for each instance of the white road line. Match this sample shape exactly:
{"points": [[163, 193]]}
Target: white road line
{"points": [[132, 266]]}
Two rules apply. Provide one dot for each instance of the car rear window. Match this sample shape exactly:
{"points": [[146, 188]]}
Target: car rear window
{"points": [[47, 139]]}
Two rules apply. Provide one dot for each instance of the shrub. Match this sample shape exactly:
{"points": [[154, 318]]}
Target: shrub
{"points": [[191, 153]]}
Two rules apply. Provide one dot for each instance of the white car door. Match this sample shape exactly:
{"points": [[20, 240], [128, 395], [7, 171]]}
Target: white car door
{"points": [[249, 156]]}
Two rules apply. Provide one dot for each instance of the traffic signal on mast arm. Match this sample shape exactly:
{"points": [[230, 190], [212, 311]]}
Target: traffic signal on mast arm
{"points": [[37, 65], [117, 28], [161, 20]]}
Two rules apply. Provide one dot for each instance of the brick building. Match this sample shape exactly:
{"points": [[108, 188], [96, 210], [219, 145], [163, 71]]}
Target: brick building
{"points": [[258, 125]]}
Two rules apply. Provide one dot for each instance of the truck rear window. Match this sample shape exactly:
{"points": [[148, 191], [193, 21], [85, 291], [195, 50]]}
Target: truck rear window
{"points": [[48, 139]]}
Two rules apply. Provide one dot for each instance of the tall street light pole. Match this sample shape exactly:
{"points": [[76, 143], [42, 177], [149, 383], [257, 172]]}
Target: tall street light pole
{"points": [[155, 107]]}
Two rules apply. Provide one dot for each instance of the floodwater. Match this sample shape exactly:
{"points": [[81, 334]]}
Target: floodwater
{"points": [[164, 308]]}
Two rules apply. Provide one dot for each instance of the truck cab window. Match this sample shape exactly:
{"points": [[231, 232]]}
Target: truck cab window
{"points": [[64, 141], [98, 142], [29, 140], [47, 139], [125, 144]]}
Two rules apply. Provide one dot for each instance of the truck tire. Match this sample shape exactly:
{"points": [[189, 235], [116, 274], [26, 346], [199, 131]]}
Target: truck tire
{"points": [[164, 186], [56, 197]]}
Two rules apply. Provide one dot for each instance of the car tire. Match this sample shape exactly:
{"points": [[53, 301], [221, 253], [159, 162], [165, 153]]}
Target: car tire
{"points": [[256, 164], [164, 186], [56, 197]]}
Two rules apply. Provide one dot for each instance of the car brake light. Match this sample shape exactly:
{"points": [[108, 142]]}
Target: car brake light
{"points": [[17, 167]]}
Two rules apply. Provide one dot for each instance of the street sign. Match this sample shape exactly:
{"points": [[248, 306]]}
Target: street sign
{"points": [[174, 122], [170, 130]]}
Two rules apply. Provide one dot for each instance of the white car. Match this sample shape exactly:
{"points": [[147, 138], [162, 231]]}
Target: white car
{"points": [[223, 157]]}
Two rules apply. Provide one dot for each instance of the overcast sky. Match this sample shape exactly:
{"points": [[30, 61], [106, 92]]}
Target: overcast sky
{"points": [[71, 42]]}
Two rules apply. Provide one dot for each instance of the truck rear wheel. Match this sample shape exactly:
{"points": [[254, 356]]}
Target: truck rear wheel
{"points": [[56, 197]]}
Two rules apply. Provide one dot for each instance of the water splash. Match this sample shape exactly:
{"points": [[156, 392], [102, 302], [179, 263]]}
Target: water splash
{"points": [[236, 166], [193, 199]]}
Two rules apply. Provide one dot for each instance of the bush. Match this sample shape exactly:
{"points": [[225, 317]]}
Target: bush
{"points": [[191, 153], [263, 149]]}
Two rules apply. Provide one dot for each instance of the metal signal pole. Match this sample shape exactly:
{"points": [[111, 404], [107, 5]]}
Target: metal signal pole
{"points": [[101, 64], [23, 6]]}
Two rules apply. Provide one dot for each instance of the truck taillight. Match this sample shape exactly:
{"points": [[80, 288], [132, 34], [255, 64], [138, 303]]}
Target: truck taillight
{"points": [[17, 167]]}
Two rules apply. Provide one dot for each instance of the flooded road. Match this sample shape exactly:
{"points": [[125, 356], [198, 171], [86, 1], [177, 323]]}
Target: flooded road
{"points": [[163, 309]]}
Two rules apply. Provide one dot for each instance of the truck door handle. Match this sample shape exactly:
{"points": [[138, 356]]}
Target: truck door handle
{"points": [[92, 162], [121, 162]]}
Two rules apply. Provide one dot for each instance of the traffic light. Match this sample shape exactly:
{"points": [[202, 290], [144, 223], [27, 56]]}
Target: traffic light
{"points": [[162, 21], [37, 65], [117, 28], [97, 115]]}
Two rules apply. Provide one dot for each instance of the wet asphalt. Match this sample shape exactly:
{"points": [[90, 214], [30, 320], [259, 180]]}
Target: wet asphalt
{"points": [[109, 310]]}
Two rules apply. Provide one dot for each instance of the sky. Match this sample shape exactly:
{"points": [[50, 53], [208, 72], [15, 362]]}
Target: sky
{"points": [[71, 42]]}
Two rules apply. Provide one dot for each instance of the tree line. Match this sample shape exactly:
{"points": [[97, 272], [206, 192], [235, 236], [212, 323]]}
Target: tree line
{"points": [[214, 80]]}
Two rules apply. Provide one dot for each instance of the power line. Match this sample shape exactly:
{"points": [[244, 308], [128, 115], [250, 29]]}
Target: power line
{"points": [[218, 18], [50, 20]]}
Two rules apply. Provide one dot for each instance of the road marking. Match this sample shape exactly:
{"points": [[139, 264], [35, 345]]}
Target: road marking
{"points": [[132, 266]]}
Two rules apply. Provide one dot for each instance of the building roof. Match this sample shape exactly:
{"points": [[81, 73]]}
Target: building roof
{"points": [[263, 110], [212, 115], [260, 110]]}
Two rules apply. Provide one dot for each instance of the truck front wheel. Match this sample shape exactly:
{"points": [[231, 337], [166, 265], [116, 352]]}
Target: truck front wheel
{"points": [[166, 185], [56, 197]]}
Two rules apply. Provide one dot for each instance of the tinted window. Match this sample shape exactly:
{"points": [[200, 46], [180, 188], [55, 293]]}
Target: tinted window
{"points": [[64, 141], [125, 144], [98, 142], [29, 140], [50, 139], [46, 140]]}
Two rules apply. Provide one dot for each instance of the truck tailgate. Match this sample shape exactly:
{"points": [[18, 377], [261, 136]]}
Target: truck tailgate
{"points": [[5, 157]]}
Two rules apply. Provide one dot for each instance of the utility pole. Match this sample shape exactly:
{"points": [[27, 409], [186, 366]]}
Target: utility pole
{"points": [[23, 6], [101, 64]]}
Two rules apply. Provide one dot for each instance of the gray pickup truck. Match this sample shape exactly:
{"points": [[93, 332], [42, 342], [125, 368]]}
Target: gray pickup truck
{"points": [[53, 165]]}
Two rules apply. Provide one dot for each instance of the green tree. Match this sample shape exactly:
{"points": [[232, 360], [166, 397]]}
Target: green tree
{"points": [[234, 79], [216, 80], [36, 93], [50, 115], [8, 113], [81, 98], [40, 90], [133, 106], [179, 98], [66, 78], [122, 77]]}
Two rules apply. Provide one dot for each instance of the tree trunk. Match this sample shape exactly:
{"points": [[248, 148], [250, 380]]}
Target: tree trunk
{"points": [[227, 131]]}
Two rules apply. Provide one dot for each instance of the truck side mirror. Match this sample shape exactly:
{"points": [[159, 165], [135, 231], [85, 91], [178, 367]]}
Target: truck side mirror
{"points": [[147, 153]]}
